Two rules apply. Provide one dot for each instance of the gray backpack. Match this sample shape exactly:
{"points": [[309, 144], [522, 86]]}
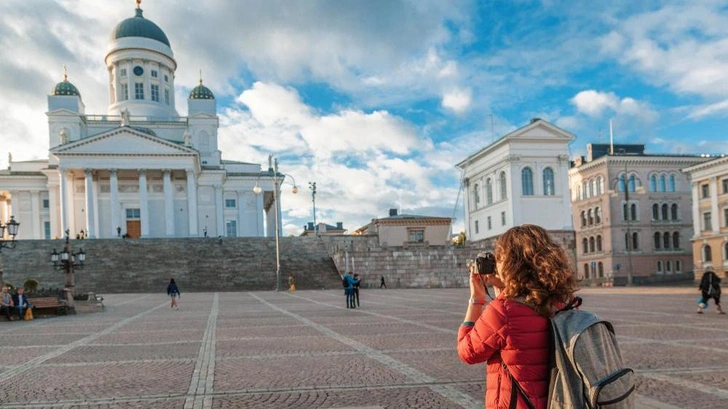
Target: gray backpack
{"points": [[586, 365]]}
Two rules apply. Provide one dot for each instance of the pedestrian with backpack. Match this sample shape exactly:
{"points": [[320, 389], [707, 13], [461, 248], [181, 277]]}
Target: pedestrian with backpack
{"points": [[709, 289]]}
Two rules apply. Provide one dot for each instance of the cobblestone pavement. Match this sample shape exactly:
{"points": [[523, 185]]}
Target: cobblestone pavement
{"points": [[306, 350]]}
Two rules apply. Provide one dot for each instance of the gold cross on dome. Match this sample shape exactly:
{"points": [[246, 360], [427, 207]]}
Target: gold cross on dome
{"points": [[139, 3], [65, 73]]}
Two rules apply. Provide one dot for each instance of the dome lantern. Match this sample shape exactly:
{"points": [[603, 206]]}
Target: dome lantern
{"points": [[201, 91]]}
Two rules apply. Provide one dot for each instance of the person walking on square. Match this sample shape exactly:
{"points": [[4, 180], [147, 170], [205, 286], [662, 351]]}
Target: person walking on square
{"points": [[357, 282], [709, 288], [291, 284], [382, 284], [6, 303], [348, 280], [21, 302], [511, 334], [173, 291]]}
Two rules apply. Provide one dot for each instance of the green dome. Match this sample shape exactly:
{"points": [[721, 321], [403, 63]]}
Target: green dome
{"points": [[65, 88], [201, 92], [138, 26]]}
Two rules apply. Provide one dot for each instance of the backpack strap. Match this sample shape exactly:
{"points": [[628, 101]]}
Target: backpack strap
{"points": [[515, 388], [574, 303]]}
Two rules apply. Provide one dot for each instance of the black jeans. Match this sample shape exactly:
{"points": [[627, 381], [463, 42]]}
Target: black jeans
{"points": [[7, 311], [356, 296]]}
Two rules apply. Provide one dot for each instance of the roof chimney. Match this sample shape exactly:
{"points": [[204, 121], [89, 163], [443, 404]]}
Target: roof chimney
{"points": [[339, 225], [392, 212], [310, 225]]}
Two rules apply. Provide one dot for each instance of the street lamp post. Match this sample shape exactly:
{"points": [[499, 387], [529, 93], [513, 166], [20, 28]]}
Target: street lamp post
{"points": [[67, 261], [12, 227], [258, 190], [627, 215], [312, 186]]}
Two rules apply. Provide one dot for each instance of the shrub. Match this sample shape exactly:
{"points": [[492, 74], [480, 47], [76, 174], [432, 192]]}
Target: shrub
{"points": [[30, 285]]}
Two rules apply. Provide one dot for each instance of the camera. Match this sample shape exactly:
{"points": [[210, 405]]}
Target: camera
{"points": [[484, 263]]}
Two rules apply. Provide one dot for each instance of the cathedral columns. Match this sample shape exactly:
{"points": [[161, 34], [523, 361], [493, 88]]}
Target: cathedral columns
{"points": [[168, 203], [35, 213], [114, 193], [64, 200], [143, 203], [192, 202], [90, 205], [220, 220]]}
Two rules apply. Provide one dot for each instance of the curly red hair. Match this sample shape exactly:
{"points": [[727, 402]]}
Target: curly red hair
{"points": [[531, 265]]}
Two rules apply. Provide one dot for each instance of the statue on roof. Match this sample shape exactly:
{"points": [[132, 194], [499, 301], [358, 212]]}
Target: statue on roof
{"points": [[125, 117]]}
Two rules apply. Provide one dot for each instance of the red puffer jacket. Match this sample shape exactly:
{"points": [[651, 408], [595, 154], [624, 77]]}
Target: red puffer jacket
{"points": [[509, 331]]}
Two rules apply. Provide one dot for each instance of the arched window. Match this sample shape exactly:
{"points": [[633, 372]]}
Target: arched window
{"points": [[600, 185], [658, 240], [627, 242], [585, 245], [707, 254], [677, 266], [662, 183], [655, 212], [548, 182], [676, 240], [586, 270], [583, 218], [622, 182], [587, 191], [653, 183], [503, 187], [632, 183], [598, 215], [666, 240], [725, 251], [625, 211], [593, 184], [659, 267], [673, 211], [635, 241], [600, 269], [476, 195], [592, 248], [664, 211], [671, 185], [590, 217], [633, 211], [581, 192], [489, 191], [599, 243], [668, 267], [527, 181]]}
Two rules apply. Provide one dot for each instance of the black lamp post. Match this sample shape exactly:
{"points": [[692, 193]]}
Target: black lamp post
{"points": [[312, 186], [67, 261], [12, 227]]}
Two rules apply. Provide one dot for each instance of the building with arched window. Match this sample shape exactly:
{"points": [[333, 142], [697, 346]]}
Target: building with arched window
{"points": [[642, 213], [531, 165], [139, 169]]}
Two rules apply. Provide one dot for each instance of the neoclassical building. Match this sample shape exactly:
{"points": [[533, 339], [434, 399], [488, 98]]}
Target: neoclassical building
{"points": [[519, 178], [140, 169]]}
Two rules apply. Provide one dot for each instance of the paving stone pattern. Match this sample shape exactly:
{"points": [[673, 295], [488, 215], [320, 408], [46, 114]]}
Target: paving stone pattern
{"points": [[306, 350]]}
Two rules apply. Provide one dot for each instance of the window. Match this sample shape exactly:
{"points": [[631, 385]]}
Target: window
{"points": [[625, 212], [627, 244], [633, 211], [653, 183], [589, 217], [154, 73], [622, 182], [600, 269], [583, 218], [662, 183], [231, 228], [417, 236], [676, 240], [704, 191], [666, 240], [46, 203], [166, 78], [677, 266], [707, 221], [587, 190], [586, 270], [673, 212], [138, 90], [166, 96], [668, 267], [122, 72], [658, 241], [635, 241], [725, 251], [476, 195], [133, 214], [599, 243], [593, 184], [664, 211], [47, 230], [725, 217], [477, 230], [724, 182], [548, 182], [230, 203], [503, 218], [489, 191], [585, 245], [503, 187], [527, 181], [598, 215], [655, 212], [632, 183], [124, 92], [155, 93], [659, 267], [592, 247], [707, 254], [581, 192], [490, 224], [671, 186], [600, 185]]}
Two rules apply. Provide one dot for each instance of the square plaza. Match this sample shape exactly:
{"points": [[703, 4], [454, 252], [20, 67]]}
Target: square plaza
{"points": [[306, 350]]}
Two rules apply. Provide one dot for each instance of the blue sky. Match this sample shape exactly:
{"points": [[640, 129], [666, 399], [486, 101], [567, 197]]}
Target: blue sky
{"points": [[377, 100]]}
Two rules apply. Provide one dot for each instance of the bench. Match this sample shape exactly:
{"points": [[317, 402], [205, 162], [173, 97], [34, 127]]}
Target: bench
{"points": [[52, 304]]}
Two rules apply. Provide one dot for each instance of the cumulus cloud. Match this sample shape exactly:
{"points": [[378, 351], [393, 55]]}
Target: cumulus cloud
{"points": [[595, 103], [457, 99]]}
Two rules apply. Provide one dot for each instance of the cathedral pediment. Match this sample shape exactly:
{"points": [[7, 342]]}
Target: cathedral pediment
{"points": [[123, 141], [541, 130]]}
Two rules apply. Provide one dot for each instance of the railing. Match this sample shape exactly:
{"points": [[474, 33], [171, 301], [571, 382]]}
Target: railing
{"points": [[136, 120]]}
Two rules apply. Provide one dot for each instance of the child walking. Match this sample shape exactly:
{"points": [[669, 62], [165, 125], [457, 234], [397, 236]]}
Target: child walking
{"points": [[173, 291]]}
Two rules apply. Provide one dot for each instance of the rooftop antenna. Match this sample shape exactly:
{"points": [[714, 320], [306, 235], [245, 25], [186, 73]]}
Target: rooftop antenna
{"points": [[611, 138]]}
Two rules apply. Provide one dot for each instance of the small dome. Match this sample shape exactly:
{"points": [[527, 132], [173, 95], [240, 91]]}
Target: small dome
{"points": [[65, 88], [201, 92], [138, 26]]}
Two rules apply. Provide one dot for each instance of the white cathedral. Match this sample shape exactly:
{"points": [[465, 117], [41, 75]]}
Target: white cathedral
{"points": [[141, 169]]}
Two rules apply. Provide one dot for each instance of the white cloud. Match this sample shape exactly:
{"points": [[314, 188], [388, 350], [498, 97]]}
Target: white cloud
{"points": [[709, 110], [593, 103], [457, 99]]}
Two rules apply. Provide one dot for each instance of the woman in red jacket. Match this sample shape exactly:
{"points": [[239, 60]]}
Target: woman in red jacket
{"points": [[533, 278]]}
